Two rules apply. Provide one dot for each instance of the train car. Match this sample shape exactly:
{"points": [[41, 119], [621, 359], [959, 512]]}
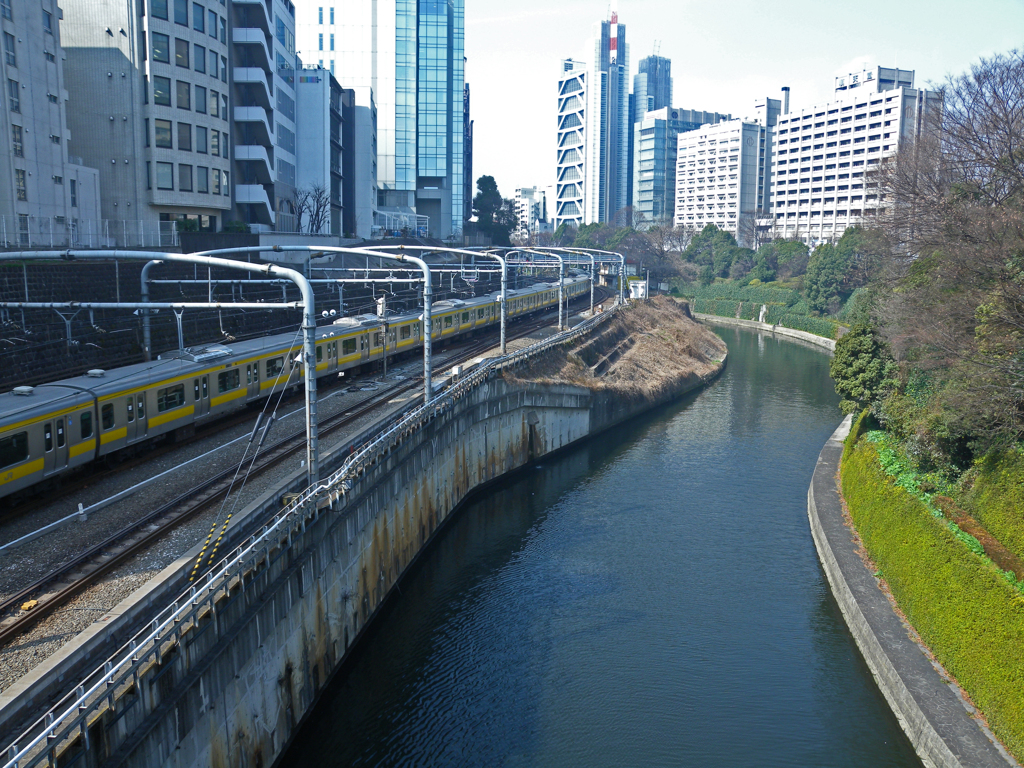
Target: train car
{"points": [[53, 428]]}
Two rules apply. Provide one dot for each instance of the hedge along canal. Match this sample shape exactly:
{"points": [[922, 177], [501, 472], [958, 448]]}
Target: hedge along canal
{"points": [[652, 597]]}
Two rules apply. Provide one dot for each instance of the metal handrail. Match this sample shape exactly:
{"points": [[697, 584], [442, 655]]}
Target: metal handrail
{"points": [[69, 716]]}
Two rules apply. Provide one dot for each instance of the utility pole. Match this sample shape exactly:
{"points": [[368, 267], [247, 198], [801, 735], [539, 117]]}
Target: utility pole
{"points": [[382, 313]]}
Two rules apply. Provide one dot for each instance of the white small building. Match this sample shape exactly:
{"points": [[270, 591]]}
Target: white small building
{"points": [[532, 211], [718, 176]]}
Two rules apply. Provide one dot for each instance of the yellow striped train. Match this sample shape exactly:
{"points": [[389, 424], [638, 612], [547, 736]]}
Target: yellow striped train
{"points": [[53, 428]]}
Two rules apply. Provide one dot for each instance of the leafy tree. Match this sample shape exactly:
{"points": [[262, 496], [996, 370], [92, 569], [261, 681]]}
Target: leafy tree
{"points": [[862, 369], [495, 216]]}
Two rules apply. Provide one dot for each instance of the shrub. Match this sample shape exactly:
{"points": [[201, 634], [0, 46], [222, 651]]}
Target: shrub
{"points": [[996, 498], [965, 609]]}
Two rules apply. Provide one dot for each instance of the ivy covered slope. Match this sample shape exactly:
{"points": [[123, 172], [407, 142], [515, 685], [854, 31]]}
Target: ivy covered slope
{"points": [[968, 611]]}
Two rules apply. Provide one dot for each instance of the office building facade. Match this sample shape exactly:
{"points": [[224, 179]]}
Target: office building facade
{"points": [[655, 157], [411, 54], [822, 159], [718, 176], [593, 130], [150, 109], [320, 163]]}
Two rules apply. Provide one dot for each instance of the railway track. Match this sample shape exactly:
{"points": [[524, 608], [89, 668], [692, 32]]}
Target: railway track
{"points": [[28, 606]]}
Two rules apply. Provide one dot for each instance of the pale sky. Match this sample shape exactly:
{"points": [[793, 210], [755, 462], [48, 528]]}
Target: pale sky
{"points": [[725, 53]]}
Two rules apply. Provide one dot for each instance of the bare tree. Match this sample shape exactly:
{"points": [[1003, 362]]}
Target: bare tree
{"points": [[313, 204], [755, 229]]}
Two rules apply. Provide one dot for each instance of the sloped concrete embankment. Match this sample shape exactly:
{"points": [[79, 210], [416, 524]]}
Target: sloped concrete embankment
{"points": [[231, 684]]}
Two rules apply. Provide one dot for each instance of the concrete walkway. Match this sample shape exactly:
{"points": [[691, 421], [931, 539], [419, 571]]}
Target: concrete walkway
{"points": [[927, 703]]}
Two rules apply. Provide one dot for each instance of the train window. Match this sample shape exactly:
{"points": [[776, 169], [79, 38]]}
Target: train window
{"points": [[248, 375], [14, 449], [448, 321], [406, 331], [142, 407], [255, 373], [480, 314], [85, 422], [228, 380], [61, 437], [275, 366], [169, 398], [334, 349], [319, 353], [131, 409], [465, 317], [48, 435], [348, 346], [107, 415], [196, 384], [378, 339], [206, 387]]}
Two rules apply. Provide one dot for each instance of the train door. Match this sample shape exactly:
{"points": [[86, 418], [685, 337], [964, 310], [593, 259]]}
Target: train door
{"points": [[252, 379], [130, 416], [201, 387], [141, 420], [55, 445]]}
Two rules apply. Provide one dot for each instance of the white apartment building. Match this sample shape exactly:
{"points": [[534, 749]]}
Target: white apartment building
{"points": [[532, 210], [149, 109], [718, 176], [46, 196], [572, 142], [319, 99], [823, 156]]}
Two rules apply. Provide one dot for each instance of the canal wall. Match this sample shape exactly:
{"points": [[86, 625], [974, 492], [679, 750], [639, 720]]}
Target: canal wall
{"points": [[929, 706], [779, 330], [225, 675]]}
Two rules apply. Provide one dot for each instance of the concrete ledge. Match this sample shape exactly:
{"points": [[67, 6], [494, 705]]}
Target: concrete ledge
{"points": [[819, 341], [927, 704]]}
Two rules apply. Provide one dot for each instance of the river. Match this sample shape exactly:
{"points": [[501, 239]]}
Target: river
{"points": [[650, 598]]}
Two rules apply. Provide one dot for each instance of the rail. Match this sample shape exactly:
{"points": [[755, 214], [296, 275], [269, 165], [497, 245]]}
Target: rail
{"points": [[67, 722]]}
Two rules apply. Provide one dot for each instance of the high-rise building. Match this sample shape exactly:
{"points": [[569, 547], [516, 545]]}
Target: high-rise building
{"points": [[717, 177], [263, 65], [823, 156], [411, 54], [593, 121], [655, 155], [150, 109], [467, 152], [320, 100], [652, 90]]}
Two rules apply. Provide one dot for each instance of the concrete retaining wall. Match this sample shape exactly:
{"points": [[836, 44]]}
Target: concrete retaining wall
{"points": [[818, 341], [927, 704]]}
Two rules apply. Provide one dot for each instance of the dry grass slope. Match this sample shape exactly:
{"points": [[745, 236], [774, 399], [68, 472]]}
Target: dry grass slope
{"points": [[652, 349]]}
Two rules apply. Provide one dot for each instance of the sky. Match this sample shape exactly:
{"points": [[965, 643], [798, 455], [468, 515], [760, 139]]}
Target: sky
{"points": [[725, 54]]}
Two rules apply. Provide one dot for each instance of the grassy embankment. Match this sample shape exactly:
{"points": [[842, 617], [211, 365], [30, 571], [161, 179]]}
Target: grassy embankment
{"points": [[962, 596], [785, 307]]}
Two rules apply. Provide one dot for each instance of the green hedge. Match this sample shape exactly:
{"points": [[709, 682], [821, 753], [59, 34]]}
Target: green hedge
{"points": [[714, 307], [965, 610], [819, 326], [750, 310], [996, 498], [760, 293]]}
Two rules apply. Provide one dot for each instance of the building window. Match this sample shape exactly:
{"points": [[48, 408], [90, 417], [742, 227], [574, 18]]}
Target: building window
{"points": [[145, 130], [161, 48], [215, 143], [74, 192], [332, 41], [332, 15], [9, 50], [224, 106], [201, 133], [223, 30], [58, 179], [202, 180], [19, 184], [320, 15], [158, 8], [213, 63], [224, 178], [216, 181], [162, 91], [200, 99], [49, 56], [214, 103], [211, 27], [198, 17], [181, 52], [185, 137], [165, 175], [48, 22], [55, 138], [184, 95], [14, 95], [52, 98], [5, 8], [17, 142], [223, 69], [163, 134], [185, 178], [149, 178], [200, 59], [321, 41], [181, 12]]}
